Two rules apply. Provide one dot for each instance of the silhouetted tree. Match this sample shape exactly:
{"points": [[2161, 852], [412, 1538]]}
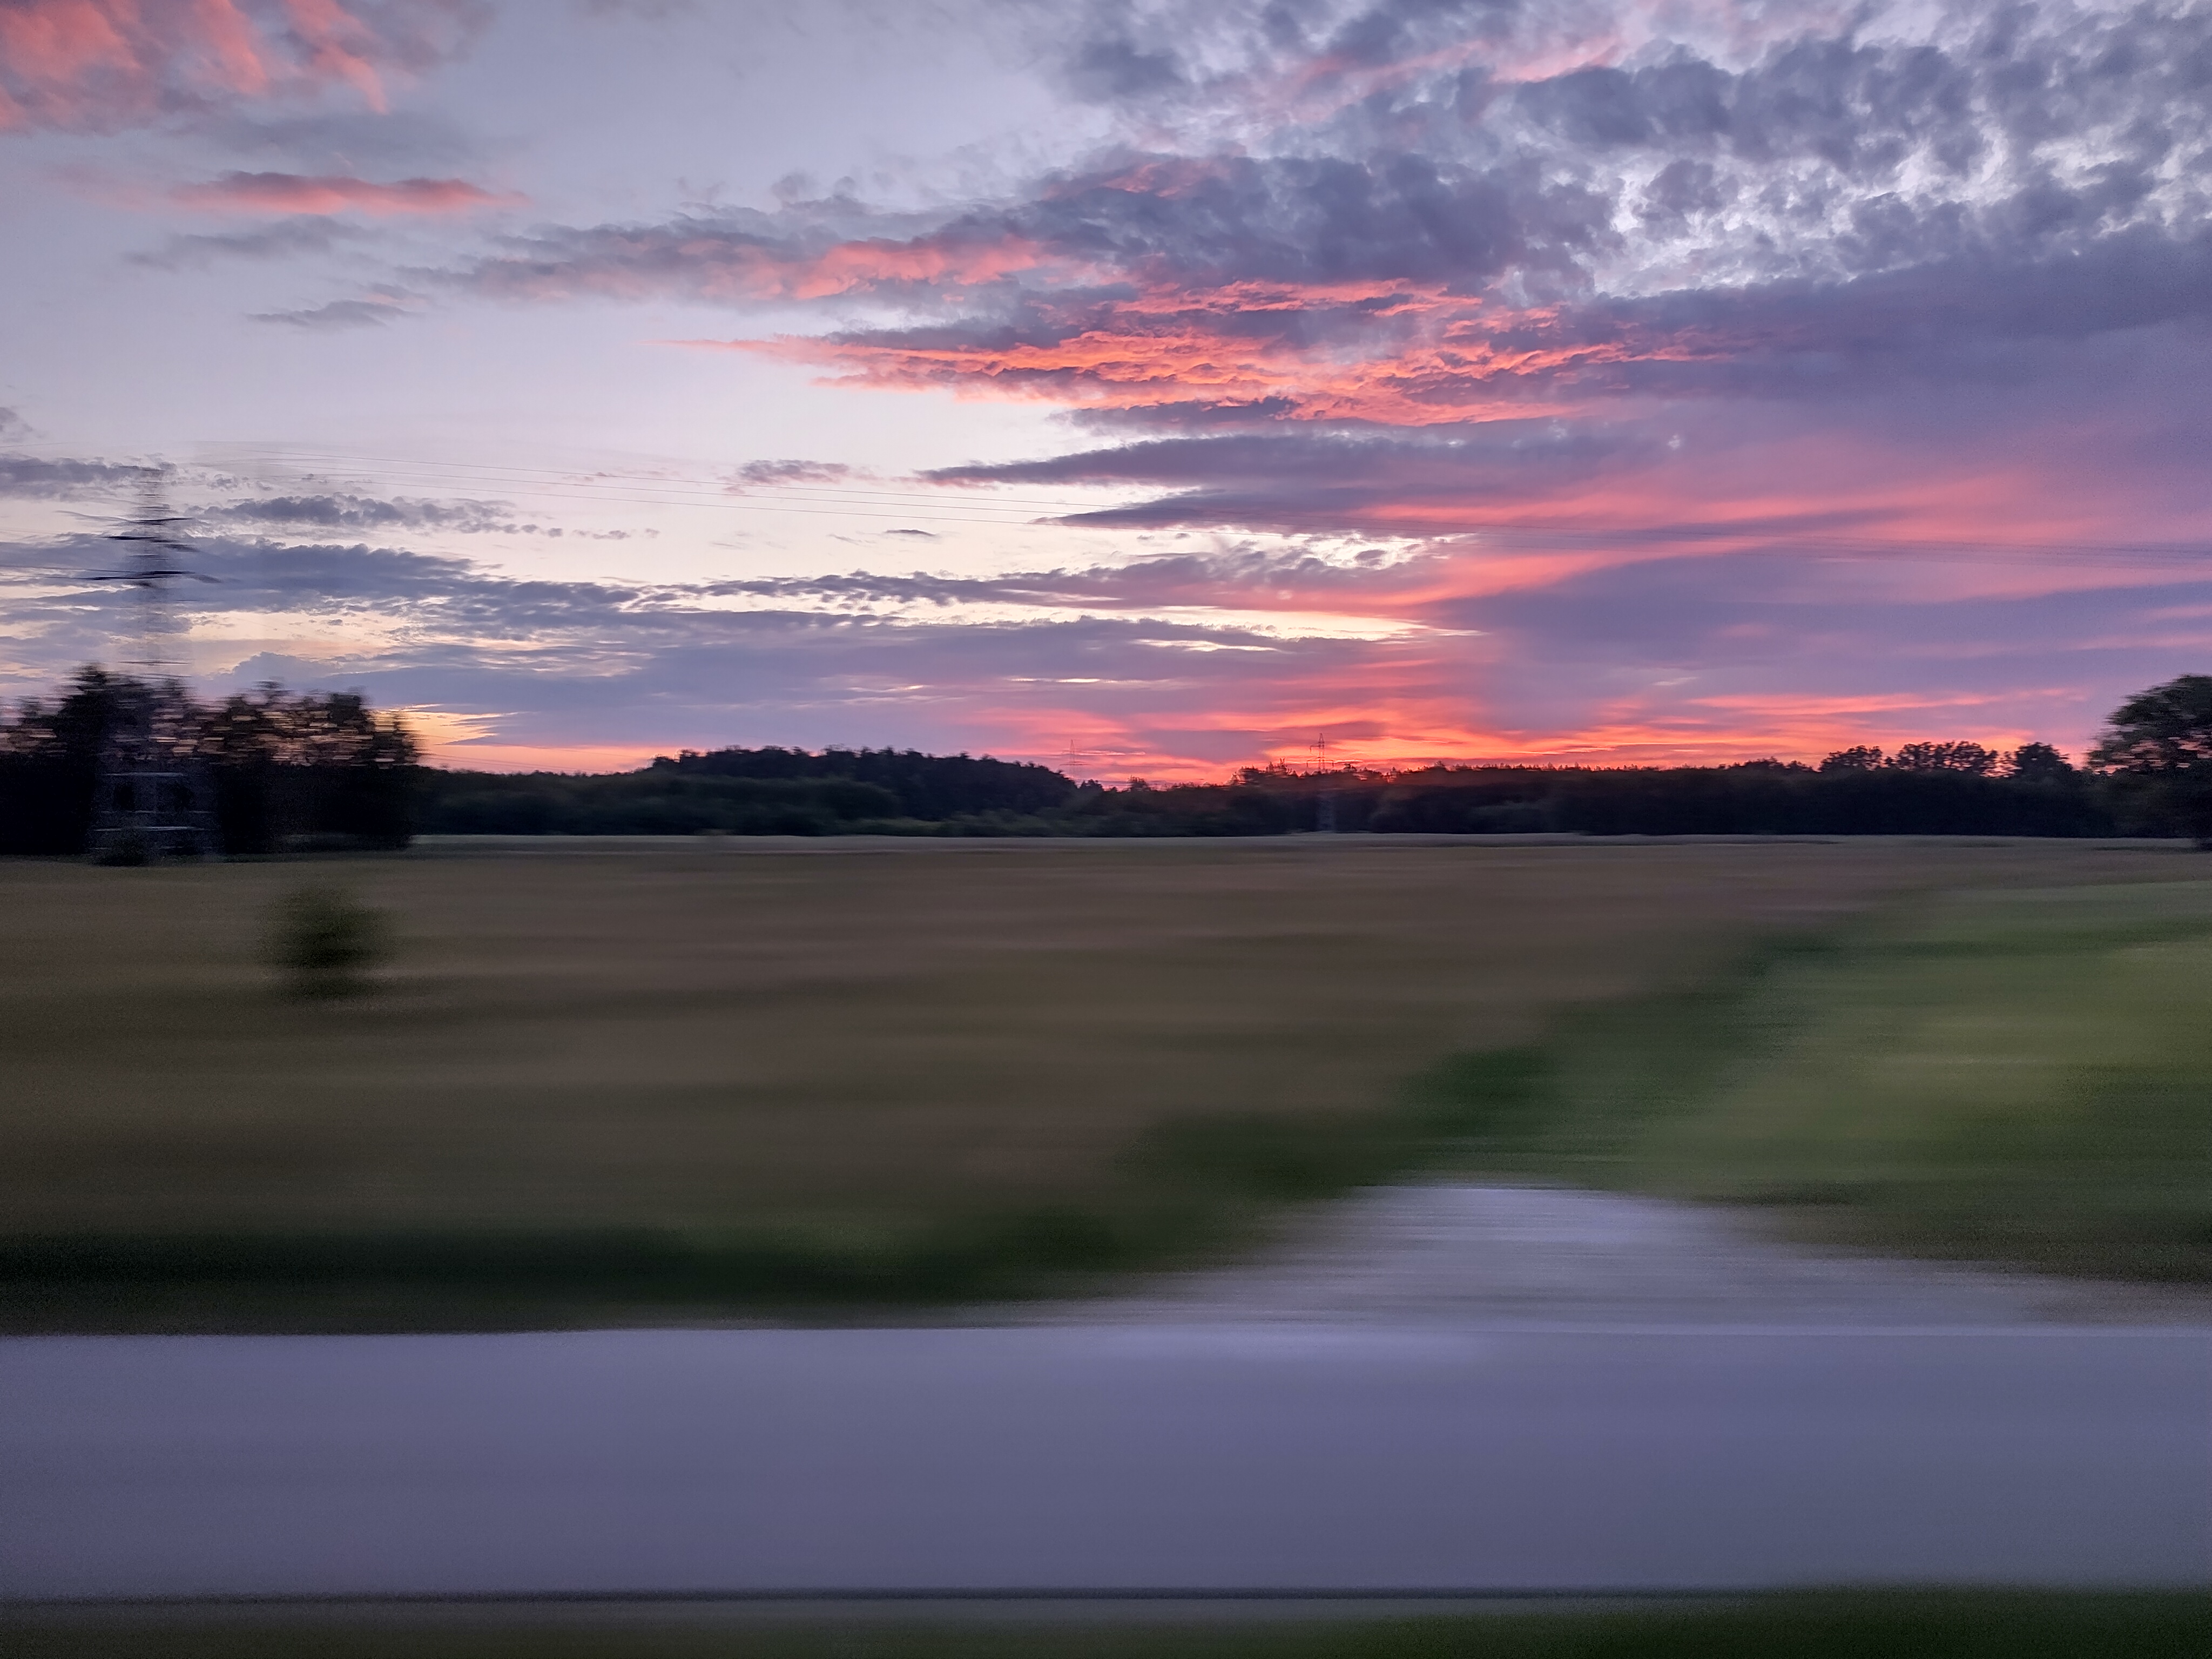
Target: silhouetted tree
{"points": [[2039, 762], [49, 761], [293, 767], [1860, 757], [2158, 749], [1970, 758], [932, 787]]}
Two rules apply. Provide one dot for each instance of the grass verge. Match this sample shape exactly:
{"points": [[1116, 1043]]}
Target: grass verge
{"points": [[2019, 1077], [1861, 1625]]}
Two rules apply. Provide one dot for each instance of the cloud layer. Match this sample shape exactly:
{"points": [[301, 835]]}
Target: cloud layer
{"points": [[1472, 238], [1180, 665], [1540, 378]]}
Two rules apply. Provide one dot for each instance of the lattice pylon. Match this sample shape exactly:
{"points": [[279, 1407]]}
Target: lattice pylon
{"points": [[152, 795]]}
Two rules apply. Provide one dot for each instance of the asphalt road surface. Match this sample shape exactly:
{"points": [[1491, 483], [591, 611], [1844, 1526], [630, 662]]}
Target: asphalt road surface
{"points": [[1184, 1457]]}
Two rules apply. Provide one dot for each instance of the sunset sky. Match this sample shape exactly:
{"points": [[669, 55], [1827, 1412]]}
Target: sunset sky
{"points": [[1147, 388]]}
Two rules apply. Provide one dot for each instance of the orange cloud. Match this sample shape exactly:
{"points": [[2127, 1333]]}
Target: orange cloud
{"points": [[1396, 353], [851, 265], [292, 192]]}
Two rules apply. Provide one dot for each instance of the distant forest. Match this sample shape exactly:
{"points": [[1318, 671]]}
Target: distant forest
{"points": [[295, 771], [1937, 788], [756, 792]]}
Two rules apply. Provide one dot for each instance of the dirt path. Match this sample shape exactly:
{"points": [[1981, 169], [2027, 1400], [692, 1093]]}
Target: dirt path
{"points": [[1461, 1253]]}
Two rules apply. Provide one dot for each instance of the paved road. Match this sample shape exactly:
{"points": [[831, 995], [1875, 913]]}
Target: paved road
{"points": [[1184, 1457]]}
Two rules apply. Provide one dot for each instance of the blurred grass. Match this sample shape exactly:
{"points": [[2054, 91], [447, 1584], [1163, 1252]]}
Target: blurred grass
{"points": [[711, 1078], [1856, 1625], [2016, 1076]]}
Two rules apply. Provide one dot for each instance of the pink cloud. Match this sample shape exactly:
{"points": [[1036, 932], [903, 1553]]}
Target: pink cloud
{"points": [[1393, 352], [100, 65], [712, 263], [293, 193]]}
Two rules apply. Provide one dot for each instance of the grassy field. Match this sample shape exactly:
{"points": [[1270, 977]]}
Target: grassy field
{"points": [[1872, 1625], [714, 1075], [2016, 1075]]}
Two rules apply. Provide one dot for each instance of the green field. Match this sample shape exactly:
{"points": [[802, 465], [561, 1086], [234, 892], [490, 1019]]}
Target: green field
{"points": [[2014, 1075], [606, 1080], [1866, 1625]]}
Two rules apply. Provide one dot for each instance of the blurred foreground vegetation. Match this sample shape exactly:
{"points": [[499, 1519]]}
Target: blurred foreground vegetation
{"points": [[595, 1085], [1866, 1625], [2011, 1075]]}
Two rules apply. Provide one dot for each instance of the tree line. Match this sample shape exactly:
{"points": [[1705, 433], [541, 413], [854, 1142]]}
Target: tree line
{"points": [[2150, 775], [304, 770], [1755, 797], [2130, 785], [756, 792]]}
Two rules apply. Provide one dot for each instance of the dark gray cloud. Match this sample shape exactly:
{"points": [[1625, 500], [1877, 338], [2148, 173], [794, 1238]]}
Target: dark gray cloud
{"points": [[1112, 68], [253, 573], [1227, 578], [284, 239], [371, 312], [771, 473], [66, 480], [409, 140], [1866, 92], [1156, 54], [1936, 313], [1331, 479], [1391, 216], [353, 513]]}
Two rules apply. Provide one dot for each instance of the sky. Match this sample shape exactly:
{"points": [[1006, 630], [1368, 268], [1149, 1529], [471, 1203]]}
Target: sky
{"points": [[1150, 389]]}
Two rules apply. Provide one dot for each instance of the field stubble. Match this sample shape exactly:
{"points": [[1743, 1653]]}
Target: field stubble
{"points": [[1062, 1055]]}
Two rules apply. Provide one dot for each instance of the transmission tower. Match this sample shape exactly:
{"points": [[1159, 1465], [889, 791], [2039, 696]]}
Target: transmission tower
{"points": [[153, 796], [1325, 799]]}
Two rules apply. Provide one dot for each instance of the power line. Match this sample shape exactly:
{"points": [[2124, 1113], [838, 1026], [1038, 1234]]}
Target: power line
{"points": [[827, 501], [921, 506], [707, 491]]}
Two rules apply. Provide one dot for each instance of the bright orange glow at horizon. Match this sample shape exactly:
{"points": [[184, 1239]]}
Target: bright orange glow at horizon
{"points": [[1112, 754]]}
